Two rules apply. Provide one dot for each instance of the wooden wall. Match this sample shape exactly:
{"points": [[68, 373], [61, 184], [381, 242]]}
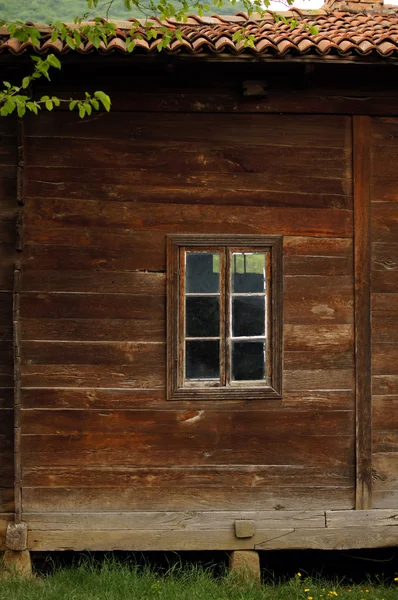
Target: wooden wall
{"points": [[101, 195], [8, 214], [384, 198]]}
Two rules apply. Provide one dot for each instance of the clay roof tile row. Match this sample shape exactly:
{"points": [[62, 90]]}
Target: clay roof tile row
{"points": [[342, 33]]}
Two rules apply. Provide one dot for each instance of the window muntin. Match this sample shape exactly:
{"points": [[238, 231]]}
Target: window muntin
{"points": [[224, 316]]}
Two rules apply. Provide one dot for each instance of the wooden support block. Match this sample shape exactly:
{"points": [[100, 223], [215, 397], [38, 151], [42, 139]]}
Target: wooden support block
{"points": [[244, 528], [246, 564], [17, 562], [17, 536]]}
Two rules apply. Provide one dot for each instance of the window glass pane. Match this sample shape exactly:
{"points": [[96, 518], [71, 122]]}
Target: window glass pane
{"points": [[248, 316], [248, 361], [202, 359], [248, 272], [202, 316], [202, 272]]}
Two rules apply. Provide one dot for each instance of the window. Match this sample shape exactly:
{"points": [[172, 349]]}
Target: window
{"points": [[224, 316]]}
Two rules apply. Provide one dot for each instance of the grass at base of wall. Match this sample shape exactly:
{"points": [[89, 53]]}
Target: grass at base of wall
{"points": [[115, 581]]}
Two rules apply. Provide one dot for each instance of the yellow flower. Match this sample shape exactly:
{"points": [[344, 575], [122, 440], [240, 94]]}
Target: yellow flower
{"points": [[298, 574], [307, 590], [367, 591], [395, 578], [309, 598]]}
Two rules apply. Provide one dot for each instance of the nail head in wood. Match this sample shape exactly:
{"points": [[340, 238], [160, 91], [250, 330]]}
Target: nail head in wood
{"points": [[244, 528], [17, 536]]}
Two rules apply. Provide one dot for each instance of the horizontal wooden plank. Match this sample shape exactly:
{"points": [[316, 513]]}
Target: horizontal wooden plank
{"points": [[385, 256], [320, 379], [94, 282], [339, 519], [155, 399], [93, 306], [145, 370], [96, 330], [385, 441], [192, 499], [273, 539], [385, 305], [180, 477], [185, 448], [385, 281], [320, 359], [173, 521], [6, 499], [52, 268], [317, 337], [186, 157], [318, 265], [385, 471], [203, 218], [383, 407], [93, 353], [314, 131], [385, 221], [324, 299], [172, 424], [271, 187], [384, 329], [317, 247], [148, 370], [385, 384], [333, 539], [385, 499], [385, 357]]}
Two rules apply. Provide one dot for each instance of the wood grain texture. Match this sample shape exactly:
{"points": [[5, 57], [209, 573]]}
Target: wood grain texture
{"points": [[282, 539], [93, 314], [384, 311], [192, 218], [210, 498], [8, 216], [174, 477], [362, 265]]}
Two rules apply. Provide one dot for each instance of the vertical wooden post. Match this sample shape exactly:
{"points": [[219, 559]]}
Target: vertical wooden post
{"points": [[16, 331], [363, 349]]}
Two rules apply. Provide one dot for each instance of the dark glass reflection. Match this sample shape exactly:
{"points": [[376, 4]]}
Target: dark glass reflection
{"points": [[248, 316], [248, 361], [202, 360], [248, 272], [202, 272], [202, 316]]}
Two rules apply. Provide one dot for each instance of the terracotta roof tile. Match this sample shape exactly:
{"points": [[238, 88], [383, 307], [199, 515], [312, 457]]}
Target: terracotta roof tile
{"points": [[341, 33]]}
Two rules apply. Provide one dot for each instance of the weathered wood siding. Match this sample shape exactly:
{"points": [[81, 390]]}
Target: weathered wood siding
{"points": [[101, 195], [384, 196], [8, 215]]}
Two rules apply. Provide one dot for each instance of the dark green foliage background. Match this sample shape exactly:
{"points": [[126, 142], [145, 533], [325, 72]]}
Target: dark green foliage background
{"points": [[52, 10]]}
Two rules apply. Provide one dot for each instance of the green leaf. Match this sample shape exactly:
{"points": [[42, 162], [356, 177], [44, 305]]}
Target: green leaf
{"points": [[25, 82], [44, 98], [82, 111], [21, 110], [70, 42], [72, 104], [7, 84], [104, 98], [49, 105], [95, 103], [56, 101], [53, 61], [88, 108]]}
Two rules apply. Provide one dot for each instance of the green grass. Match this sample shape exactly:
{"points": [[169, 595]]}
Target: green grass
{"points": [[113, 581]]}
